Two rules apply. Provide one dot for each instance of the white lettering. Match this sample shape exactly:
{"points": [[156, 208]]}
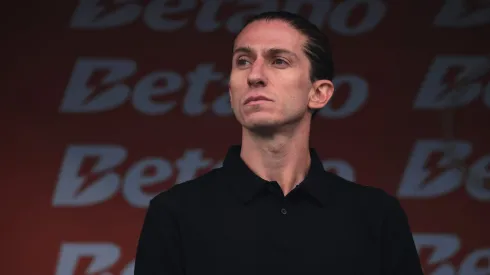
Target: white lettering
{"points": [[68, 191], [79, 94], [218, 164], [445, 245], [103, 257], [153, 15], [319, 9], [147, 87], [199, 81], [434, 92], [471, 264], [419, 181], [237, 20], [135, 180], [88, 15], [190, 164], [456, 14], [478, 178], [357, 97], [161, 15], [82, 95], [443, 248], [78, 90], [221, 106], [73, 188], [376, 10], [340, 167]]}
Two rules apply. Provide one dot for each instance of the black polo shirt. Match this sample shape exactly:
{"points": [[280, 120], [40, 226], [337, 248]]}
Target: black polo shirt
{"points": [[230, 221]]}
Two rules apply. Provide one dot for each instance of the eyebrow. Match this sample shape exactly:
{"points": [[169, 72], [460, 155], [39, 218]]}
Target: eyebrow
{"points": [[271, 51], [242, 50]]}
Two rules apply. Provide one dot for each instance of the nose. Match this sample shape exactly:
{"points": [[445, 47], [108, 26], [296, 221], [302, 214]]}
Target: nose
{"points": [[256, 77]]}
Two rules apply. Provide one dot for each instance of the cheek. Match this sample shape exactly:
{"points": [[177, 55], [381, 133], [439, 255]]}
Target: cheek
{"points": [[235, 94], [233, 88], [299, 88], [297, 97]]}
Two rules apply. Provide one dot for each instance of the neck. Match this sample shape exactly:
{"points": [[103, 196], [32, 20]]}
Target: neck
{"points": [[283, 156]]}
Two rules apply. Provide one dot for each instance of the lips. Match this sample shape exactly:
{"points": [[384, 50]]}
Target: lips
{"points": [[256, 98]]}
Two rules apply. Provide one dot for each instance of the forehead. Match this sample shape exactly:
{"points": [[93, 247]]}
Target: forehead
{"points": [[264, 34]]}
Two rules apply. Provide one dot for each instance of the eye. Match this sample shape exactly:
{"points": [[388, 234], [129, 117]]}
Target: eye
{"points": [[242, 62], [280, 62]]}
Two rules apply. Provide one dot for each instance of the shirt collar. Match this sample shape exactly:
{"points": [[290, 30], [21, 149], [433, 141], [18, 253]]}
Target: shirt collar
{"points": [[246, 184]]}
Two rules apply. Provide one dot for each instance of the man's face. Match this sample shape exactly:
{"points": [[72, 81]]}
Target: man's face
{"points": [[269, 82]]}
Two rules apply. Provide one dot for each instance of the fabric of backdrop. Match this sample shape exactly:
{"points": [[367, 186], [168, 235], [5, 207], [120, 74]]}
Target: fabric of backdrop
{"points": [[111, 102]]}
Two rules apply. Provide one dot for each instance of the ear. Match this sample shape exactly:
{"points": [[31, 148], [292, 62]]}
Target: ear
{"points": [[320, 94]]}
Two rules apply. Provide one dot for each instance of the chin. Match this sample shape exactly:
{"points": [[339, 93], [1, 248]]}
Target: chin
{"points": [[268, 122], [261, 122]]}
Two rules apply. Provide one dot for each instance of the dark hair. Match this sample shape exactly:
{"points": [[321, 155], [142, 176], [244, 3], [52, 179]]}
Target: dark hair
{"points": [[317, 47]]}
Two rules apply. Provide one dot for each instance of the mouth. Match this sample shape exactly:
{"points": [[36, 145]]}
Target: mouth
{"points": [[256, 99]]}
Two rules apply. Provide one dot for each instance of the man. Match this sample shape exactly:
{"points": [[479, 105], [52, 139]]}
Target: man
{"points": [[272, 208]]}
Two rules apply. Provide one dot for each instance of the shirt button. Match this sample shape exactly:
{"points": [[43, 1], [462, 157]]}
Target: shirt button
{"points": [[284, 211]]}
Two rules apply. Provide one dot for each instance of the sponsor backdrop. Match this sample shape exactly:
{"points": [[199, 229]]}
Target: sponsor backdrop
{"points": [[110, 102]]}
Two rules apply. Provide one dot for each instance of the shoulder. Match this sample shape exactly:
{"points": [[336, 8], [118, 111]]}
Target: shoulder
{"points": [[369, 200], [371, 206], [189, 192], [360, 191]]}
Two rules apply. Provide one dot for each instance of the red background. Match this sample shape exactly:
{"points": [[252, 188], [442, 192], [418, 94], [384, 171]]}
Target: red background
{"points": [[377, 140]]}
